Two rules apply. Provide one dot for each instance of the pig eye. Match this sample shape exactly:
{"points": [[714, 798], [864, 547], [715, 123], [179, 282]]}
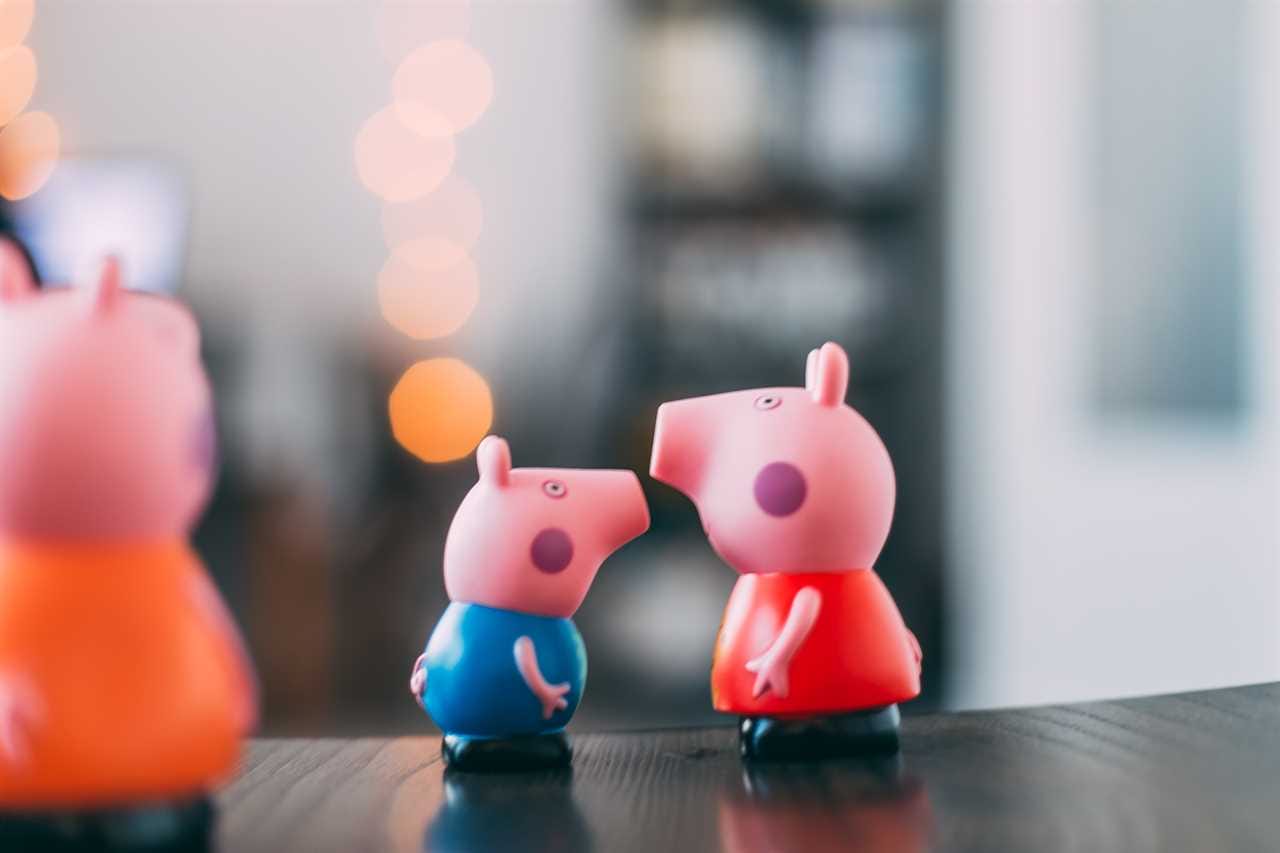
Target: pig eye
{"points": [[554, 489], [768, 401]]}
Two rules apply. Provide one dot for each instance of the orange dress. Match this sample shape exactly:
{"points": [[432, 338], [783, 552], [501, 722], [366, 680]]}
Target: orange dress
{"points": [[858, 655], [140, 688]]}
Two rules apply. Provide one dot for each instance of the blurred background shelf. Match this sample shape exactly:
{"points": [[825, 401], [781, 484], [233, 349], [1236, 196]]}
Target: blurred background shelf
{"points": [[784, 202], [783, 188]]}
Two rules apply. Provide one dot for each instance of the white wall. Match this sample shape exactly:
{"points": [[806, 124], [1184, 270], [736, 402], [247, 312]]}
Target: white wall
{"points": [[1090, 560]]}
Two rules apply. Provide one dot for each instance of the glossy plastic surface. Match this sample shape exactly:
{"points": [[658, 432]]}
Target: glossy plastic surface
{"points": [[474, 686], [785, 479], [795, 491], [122, 676], [106, 429], [859, 734], [505, 660], [858, 654], [532, 539]]}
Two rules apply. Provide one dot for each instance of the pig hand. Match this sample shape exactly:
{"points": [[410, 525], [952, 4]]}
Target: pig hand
{"points": [[552, 699], [771, 674], [771, 666], [550, 695], [418, 680], [915, 650], [21, 708]]}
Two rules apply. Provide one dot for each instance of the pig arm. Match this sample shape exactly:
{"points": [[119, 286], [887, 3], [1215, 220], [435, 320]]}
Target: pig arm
{"points": [[771, 667], [418, 678], [209, 606], [550, 695], [21, 709]]}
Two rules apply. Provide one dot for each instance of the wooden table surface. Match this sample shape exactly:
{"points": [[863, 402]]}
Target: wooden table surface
{"points": [[1193, 772]]}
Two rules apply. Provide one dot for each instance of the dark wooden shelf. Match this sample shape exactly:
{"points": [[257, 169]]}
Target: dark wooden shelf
{"points": [[779, 12], [1189, 772], [797, 13], [802, 199], [793, 201]]}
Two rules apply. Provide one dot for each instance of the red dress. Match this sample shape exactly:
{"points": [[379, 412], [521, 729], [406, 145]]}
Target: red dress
{"points": [[859, 654]]}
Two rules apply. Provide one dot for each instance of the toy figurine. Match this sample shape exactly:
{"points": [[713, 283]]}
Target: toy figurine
{"points": [[124, 690], [796, 493], [505, 667]]}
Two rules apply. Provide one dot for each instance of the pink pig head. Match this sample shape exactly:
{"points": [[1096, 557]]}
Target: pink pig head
{"points": [[532, 539], [105, 416], [785, 479]]}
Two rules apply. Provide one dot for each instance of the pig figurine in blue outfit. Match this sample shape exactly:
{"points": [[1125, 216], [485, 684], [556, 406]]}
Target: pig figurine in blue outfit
{"points": [[505, 667]]}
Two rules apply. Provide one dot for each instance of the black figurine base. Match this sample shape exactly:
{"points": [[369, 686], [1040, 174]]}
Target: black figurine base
{"points": [[154, 828], [497, 755], [864, 733]]}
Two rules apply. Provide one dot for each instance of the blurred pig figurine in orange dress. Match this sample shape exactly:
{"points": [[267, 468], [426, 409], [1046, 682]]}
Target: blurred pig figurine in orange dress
{"points": [[123, 680]]}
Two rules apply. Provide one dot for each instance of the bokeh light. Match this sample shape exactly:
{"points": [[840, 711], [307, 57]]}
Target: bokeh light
{"points": [[17, 80], [452, 211], [397, 164], [442, 88], [428, 288], [15, 21], [440, 409], [403, 25], [29, 148], [430, 252]]}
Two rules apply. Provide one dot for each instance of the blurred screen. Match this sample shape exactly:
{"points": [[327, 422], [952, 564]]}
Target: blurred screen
{"points": [[132, 207]]}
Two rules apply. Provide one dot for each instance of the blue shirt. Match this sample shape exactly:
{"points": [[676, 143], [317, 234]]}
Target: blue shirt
{"points": [[473, 685]]}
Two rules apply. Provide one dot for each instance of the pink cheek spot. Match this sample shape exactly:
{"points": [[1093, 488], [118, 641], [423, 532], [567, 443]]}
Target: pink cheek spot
{"points": [[552, 550], [780, 489], [204, 444]]}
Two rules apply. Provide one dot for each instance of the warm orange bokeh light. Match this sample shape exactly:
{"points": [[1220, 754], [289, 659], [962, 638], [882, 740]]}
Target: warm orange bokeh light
{"points": [[452, 211], [440, 409], [431, 253], [397, 164], [17, 80], [29, 147], [15, 21], [442, 88], [428, 288], [406, 24]]}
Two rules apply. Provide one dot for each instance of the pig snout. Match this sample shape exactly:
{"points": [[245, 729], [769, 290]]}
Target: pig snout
{"points": [[626, 513], [677, 457]]}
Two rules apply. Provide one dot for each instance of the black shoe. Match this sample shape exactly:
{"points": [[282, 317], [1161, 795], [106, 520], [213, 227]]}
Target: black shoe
{"points": [[865, 733], [153, 828], [529, 752]]}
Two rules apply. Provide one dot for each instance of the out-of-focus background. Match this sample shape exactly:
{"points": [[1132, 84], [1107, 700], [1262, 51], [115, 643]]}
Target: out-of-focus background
{"points": [[1045, 233]]}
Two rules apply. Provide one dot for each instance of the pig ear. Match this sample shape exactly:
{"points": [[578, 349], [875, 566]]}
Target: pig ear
{"points": [[811, 371], [181, 332], [15, 276], [104, 292], [831, 379], [493, 457]]}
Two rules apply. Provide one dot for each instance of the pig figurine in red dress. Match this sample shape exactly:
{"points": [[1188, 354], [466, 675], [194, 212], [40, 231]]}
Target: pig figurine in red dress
{"points": [[796, 492]]}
